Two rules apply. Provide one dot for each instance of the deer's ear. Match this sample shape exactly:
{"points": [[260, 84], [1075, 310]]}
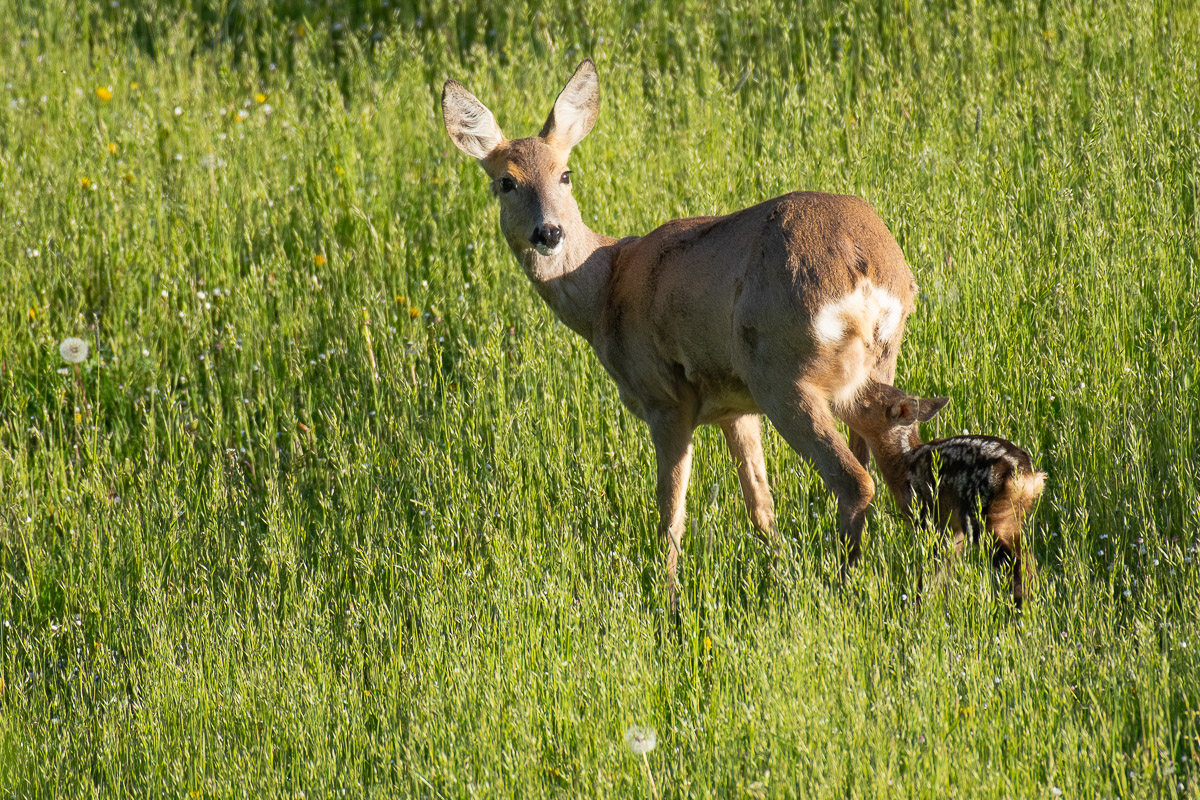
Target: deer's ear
{"points": [[471, 126], [575, 110], [930, 406]]}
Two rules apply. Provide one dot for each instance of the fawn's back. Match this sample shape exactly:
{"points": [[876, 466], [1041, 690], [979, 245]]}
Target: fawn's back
{"points": [[975, 478]]}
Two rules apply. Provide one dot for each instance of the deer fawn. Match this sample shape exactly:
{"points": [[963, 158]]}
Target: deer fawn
{"points": [[970, 484], [786, 308]]}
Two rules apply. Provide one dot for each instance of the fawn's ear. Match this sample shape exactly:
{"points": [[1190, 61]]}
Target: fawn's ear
{"points": [[575, 110], [903, 411], [471, 126], [930, 406]]}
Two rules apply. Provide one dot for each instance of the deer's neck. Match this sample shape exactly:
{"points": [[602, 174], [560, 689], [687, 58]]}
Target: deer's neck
{"points": [[574, 281]]}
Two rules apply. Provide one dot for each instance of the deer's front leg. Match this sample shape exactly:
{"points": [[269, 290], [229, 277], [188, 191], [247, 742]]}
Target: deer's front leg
{"points": [[672, 435], [744, 436]]}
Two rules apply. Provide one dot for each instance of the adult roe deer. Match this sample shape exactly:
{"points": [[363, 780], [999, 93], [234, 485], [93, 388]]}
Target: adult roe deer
{"points": [[967, 484], [786, 308]]}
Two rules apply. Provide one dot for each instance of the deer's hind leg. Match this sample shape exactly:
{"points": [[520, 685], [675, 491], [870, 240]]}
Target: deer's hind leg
{"points": [[802, 416], [884, 371]]}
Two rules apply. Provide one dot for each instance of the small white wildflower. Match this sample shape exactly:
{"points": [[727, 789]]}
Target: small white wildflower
{"points": [[178, 111], [73, 350], [640, 739]]}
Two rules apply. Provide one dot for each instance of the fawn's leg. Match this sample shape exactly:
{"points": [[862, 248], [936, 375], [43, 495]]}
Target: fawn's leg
{"points": [[672, 436], [744, 436], [1004, 525], [958, 540], [803, 417]]}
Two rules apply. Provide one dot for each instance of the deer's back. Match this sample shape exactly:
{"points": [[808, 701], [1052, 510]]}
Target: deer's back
{"points": [[705, 301]]}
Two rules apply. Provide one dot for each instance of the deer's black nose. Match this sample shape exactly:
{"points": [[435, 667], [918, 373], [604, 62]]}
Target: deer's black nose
{"points": [[548, 235]]}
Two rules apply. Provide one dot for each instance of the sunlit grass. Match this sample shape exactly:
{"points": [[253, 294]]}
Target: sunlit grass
{"points": [[333, 505]]}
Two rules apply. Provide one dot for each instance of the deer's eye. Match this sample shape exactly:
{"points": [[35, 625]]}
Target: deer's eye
{"points": [[566, 177], [507, 185]]}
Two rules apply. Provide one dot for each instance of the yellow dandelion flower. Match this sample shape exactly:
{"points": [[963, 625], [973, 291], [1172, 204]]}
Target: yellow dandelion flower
{"points": [[300, 30], [319, 260], [78, 418], [85, 183], [104, 93], [32, 313], [133, 85], [414, 312], [260, 98], [707, 644], [339, 170], [401, 299], [112, 148]]}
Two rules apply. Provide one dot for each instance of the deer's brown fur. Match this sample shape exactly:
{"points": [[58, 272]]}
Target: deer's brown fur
{"points": [[784, 308]]}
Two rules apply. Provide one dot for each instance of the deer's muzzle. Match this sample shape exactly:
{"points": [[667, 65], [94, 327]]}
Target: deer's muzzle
{"points": [[546, 238]]}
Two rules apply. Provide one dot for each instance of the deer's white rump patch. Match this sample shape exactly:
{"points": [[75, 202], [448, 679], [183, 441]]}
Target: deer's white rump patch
{"points": [[868, 313], [854, 330]]}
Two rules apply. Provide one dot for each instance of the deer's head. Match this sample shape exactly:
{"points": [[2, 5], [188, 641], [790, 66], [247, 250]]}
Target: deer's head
{"points": [[529, 176]]}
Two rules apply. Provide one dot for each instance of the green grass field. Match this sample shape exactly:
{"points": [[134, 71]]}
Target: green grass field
{"points": [[336, 508]]}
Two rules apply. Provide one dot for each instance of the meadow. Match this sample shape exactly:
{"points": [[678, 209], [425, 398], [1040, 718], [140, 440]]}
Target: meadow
{"points": [[336, 508]]}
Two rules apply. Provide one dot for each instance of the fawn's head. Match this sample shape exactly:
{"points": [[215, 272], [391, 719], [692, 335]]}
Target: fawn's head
{"points": [[529, 176], [886, 416]]}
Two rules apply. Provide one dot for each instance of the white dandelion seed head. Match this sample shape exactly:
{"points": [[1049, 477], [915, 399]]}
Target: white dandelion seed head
{"points": [[73, 350], [640, 739]]}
